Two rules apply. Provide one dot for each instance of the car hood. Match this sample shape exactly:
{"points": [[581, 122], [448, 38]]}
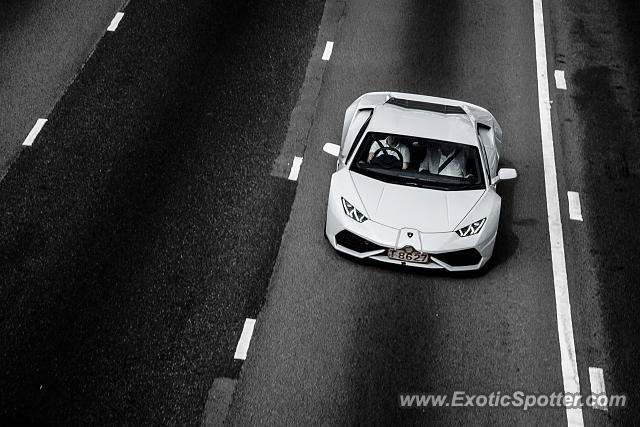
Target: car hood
{"points": [[423, 209]]}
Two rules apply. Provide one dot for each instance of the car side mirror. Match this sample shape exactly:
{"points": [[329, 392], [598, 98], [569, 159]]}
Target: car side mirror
{"points": [[505, 174], [333, 149]]}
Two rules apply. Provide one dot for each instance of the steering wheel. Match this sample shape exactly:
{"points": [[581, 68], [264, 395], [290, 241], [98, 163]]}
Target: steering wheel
{"points": [[386, 160]]}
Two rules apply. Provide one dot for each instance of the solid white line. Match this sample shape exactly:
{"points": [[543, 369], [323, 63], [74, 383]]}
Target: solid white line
{"points": [[245, 339], [116, 20], [570, 378], [295, 168], [596, 378], [575, 212], [561, 83], [34, 132], [327, 51]]}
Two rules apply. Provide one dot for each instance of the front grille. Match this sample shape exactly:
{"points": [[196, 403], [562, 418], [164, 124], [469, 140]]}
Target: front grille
{"points": [[356, 243], [426, 106], [460, 258]]}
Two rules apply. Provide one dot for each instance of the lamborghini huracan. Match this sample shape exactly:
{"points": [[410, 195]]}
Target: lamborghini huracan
{"points": [[416, 182]]}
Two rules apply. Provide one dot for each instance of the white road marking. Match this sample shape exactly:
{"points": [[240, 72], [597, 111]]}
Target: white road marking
{"points": [[575, 212], [570, 378], [245, 339], [327, 51], [115, 21], [34, 132], [596, 378], [561, 83], [295, 168]]}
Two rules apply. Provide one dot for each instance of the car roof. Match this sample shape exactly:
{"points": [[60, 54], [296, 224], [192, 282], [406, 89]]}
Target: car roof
{"points": [[398, 120]]}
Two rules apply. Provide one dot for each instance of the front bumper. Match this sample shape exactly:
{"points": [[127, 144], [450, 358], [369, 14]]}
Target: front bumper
{"points": [[372, 240]]}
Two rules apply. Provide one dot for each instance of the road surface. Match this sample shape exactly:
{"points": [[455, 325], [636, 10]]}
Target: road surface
{"points": [[151, 217]]}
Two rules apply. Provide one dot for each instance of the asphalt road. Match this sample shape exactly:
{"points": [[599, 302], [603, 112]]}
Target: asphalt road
{"points": [[597, 122], [349, 338], [145, 224], [338, 341], [124, 228], [43, 44]]}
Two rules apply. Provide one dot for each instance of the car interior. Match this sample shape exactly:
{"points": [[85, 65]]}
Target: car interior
{"points": [[387, 158]]}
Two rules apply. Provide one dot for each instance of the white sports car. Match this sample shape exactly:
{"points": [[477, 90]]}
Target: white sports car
{"points": [[416, 182]]}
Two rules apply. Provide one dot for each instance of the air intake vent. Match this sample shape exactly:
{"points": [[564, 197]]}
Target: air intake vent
{"points": [[426, 106], [460, 258], [356, 243]]}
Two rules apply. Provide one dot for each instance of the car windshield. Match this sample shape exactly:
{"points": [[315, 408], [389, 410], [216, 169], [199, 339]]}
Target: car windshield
{"points": [[419, 162]]}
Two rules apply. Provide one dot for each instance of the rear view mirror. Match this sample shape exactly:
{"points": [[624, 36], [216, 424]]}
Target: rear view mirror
{"points": [[507, 173], [333, 149], [504, 174]]}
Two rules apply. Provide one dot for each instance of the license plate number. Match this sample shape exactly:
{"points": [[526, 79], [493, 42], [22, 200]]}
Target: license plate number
{"points": [[412, 256]]}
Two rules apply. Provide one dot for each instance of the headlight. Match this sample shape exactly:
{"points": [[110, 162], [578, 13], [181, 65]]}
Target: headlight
{"points": [[352, 212], [471, 229]]}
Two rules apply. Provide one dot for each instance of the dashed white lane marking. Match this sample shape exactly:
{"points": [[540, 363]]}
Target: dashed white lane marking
{"points": [[327, 51], [561, 83], [570, 378], [34, 132], [596, 378], [295, 168], [245, 339], [575, 212], [115, 21]]}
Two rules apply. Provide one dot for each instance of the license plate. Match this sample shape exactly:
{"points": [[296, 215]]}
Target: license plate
{"points": [[408, 255]]}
